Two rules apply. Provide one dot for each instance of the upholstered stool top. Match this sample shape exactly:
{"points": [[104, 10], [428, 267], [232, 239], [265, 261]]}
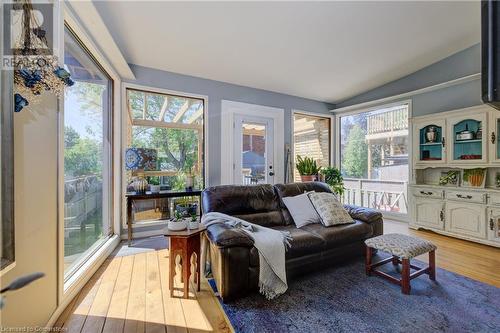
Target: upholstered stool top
{"points": [[403, 246]]}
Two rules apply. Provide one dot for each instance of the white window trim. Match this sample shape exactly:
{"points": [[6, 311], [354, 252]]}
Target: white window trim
{"points": [[66, 291], [228, 110], [333, 137], [127, 85], [387, 215]]}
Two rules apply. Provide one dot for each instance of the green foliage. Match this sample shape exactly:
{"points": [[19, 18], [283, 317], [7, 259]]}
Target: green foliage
{"points": [[82, 156], [334, 179], [71, 137], [355, 159], [307, 166], [153, 180]]}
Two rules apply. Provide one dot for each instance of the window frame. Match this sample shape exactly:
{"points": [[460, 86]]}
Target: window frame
{"points": [[108, 163], [332, 152], [374, 107], [8, 250], [162, 91]]}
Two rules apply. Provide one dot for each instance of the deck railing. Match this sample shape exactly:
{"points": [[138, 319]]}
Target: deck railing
{"points": [[385, 195], [394, 120]]}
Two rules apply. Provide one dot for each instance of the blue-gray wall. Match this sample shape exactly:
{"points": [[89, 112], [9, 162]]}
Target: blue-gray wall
{"points": [[463, 63], [218, 91]]}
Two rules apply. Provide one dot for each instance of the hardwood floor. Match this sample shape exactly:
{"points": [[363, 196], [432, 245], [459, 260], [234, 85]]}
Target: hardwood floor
{"points": [[130, 293]]}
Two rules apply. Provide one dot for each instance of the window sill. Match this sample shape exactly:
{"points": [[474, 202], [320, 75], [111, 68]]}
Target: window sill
{"points": [[79, 278], [7, 268]]}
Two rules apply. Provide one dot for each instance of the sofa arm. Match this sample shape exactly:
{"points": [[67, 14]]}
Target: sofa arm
{"points": [[366, 215], [225, 236]]}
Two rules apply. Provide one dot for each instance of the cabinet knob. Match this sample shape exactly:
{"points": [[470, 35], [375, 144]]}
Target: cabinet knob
{"points": [[425, 193], [464, 196], [441, 216], [493, 137], [492, 224], [443, 142]]}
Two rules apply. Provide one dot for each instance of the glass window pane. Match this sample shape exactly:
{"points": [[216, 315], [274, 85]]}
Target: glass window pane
{"points": [[86, 155], [374, 158], [311, 137], [253, 156], [173, 126]]}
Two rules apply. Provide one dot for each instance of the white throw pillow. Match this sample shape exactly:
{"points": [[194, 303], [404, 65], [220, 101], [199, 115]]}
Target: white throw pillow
{"points": [[330, 210], [301, 209]]}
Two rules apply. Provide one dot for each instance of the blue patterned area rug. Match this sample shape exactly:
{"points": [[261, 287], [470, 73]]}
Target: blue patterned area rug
{"points": [[344, 299]]}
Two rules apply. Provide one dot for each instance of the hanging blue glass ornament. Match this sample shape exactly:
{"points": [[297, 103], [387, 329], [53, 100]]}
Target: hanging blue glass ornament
{"points": [[19, 102]]}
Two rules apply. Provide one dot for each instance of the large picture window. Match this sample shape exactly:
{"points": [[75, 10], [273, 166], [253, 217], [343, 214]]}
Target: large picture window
{"points": [[311, 138], [374, 158], [87, 155], [172, 125]]}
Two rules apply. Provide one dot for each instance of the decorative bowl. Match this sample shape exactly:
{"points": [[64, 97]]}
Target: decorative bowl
{"points": [[177, 225]]}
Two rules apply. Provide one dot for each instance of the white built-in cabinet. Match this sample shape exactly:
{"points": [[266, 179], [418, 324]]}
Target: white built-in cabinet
{"points": [[461, 139]]}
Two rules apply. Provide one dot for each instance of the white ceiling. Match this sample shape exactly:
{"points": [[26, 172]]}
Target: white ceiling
{"points": [[327, 51]]}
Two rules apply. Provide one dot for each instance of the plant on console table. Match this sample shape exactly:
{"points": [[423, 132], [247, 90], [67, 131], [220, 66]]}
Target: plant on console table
{"points": [[308, 169], [186, 207], [334, 179]]}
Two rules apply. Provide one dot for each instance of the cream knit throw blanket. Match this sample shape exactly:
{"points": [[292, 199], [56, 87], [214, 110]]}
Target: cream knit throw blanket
{"points": [[271, 245]]}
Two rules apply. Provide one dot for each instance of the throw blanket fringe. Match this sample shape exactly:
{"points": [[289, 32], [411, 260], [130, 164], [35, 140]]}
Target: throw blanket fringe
{"points": [[271, 245]]}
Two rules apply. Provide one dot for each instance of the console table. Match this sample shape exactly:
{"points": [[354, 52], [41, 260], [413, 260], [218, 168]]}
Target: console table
{"points": [[132, 197]]}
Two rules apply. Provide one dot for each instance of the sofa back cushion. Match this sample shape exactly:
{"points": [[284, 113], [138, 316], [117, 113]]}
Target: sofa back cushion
{"points": [[257, 204], [293, 189]]}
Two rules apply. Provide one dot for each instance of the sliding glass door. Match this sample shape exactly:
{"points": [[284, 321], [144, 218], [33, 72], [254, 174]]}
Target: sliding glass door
{"points": [[374, 158], [87, 155]]}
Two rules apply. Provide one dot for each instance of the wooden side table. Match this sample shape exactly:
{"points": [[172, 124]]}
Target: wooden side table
{"points": [[184, 243]]}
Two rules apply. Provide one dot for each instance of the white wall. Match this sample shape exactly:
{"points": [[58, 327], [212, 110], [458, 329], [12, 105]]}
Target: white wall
{"points": [[35, 163]]}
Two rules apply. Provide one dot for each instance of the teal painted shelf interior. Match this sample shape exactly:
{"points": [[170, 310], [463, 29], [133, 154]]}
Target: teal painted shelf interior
{"points": [[467, 148], [431, 151]]}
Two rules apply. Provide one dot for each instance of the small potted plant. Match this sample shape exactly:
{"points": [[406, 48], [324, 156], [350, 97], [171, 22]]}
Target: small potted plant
{"points": [[308, 169], [177, 223], [193, 224], [334, 179], [154, 184]]}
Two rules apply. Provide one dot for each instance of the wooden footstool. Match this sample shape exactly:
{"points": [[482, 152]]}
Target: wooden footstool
{"points": [[402, 248]]}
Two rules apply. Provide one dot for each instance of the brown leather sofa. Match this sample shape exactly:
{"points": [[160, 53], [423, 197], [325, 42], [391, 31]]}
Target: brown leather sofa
{"points": [[234, 259]]}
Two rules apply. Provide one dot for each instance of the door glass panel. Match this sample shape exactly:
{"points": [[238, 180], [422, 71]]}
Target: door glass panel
{"points": [[253, 153], [430, 143], [467, 140], [87, 156]]}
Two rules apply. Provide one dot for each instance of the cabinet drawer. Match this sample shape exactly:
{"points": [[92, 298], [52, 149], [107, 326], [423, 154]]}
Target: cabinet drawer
{"points": [[494, 199], [431, 193], [476, 197]]}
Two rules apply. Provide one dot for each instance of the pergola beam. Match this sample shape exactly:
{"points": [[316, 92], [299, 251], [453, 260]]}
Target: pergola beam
{"points": [[182, 111]]}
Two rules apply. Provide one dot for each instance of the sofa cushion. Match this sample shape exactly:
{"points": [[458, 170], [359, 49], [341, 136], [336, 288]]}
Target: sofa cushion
{"points": [[254, 203], [303, 242], [330, 210], [339, 235], [293, 189], [301, 210]]}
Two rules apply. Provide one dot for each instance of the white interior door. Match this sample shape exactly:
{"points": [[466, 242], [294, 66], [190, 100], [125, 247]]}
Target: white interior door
{"points": [[253, 150]]}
